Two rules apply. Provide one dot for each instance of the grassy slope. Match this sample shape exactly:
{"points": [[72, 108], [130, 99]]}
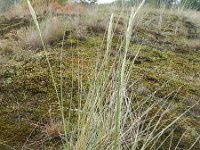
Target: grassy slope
{"points": [[27, 93]]}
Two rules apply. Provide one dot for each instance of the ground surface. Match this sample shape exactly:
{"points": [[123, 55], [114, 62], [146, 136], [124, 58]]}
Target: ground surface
{"points": [[169, 57]]}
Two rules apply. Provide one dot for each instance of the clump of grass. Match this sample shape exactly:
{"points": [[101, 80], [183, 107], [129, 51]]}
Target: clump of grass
{"points": [[111, 117], [52, 30]]}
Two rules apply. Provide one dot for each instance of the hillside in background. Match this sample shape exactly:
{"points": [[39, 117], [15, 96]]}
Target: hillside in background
{"points": [[38, 87]]}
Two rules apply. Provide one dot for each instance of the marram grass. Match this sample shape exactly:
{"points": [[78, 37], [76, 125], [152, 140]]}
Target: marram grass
{"points": [[110, 118]]}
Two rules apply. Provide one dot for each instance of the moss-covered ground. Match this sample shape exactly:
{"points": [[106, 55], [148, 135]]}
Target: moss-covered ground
{"points": [[27, 95]]}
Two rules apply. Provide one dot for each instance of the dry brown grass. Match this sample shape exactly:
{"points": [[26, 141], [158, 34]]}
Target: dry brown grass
{"points": [[21, 10], [193, 44], [52, 30], [53, 27], [194, 16], [67, 9], [53, 130]]}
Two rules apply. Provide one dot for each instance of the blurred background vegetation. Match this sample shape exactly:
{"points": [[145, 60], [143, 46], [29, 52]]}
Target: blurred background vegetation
{"points": [[189, 4], [183, 4], [5, 4]]}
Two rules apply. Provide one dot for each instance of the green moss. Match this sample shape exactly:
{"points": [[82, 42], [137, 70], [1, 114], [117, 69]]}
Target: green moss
{"points": [[27, 92]]}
